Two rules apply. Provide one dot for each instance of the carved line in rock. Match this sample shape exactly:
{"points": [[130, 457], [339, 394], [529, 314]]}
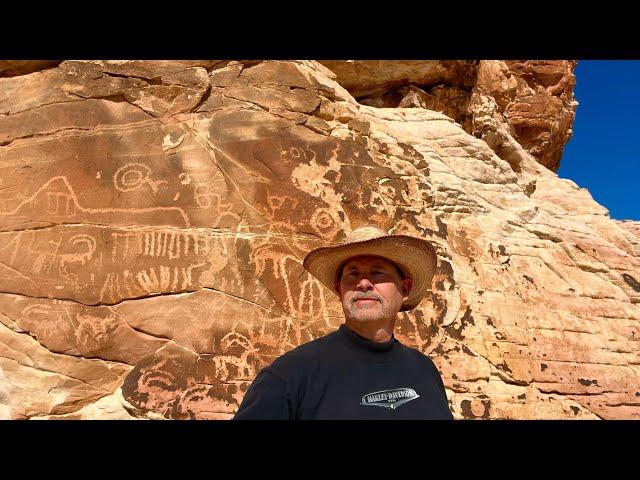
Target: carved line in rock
{"points": [[62, 200], [208, 145], [164, 245], [133, 176]]}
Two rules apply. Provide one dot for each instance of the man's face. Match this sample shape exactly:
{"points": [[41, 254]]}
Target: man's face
{"points": [[371, 289]]}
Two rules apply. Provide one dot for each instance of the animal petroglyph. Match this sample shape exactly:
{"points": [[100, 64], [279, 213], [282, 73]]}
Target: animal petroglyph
{"points": [[176, 383], [81, 240], [64, 327], [110, 264], [236, 360]]}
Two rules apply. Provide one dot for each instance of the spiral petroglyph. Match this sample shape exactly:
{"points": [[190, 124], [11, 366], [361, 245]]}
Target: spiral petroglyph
{"points": [[324, 224], [134, 176]]}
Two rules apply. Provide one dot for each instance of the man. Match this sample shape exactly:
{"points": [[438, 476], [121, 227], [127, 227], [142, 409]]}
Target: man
{"points": [[359, 371]]}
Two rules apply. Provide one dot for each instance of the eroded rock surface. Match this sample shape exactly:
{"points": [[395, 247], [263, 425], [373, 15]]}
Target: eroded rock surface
{"points": [[154, 217], [10, 68], [530, 101]]}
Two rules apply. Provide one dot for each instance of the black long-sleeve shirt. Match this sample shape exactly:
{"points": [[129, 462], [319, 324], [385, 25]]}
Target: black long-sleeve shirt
{"points": [[346, 376]]}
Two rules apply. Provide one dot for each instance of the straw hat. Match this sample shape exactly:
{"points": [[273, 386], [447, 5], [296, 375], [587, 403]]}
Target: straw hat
{"points": [[415, 257]]}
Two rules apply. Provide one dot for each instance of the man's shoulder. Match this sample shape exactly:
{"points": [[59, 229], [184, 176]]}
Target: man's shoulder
{"points": [[422, 360], [416, 355], [303, 355]]}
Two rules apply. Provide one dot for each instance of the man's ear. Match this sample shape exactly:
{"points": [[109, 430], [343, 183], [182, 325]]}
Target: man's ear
{"points": [[407, 284]]}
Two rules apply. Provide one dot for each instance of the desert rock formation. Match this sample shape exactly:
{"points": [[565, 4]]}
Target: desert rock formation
{"points": [[530, 101], [154, 217]]}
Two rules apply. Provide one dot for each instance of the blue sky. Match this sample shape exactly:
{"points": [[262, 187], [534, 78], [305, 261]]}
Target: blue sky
{"points": [[602, 155]]}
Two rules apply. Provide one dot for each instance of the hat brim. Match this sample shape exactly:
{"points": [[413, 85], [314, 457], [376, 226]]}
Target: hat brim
{"points": [[416, 257]]}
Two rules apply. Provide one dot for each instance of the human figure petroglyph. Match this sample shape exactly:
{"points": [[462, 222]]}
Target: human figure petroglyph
{"points": [[133, 176]]}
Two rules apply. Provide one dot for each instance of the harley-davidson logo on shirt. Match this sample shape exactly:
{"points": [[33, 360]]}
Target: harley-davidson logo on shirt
{"points": [[390, 398]]}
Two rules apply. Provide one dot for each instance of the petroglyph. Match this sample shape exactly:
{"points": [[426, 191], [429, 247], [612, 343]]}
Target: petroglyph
{"points": [[235, 361], [310, 177], [300, 294], [61, 203], [169, 144], [94, 332], [176, 383], [209, 192], [107, 265], [213, 227], [82, 258], [163, 244], [56, 323], [41, 314], [151, 280], [58, 199], [133, 176], [324, 224]]}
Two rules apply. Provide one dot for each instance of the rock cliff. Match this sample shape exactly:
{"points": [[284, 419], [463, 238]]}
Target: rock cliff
{"points": [[154, 217]]}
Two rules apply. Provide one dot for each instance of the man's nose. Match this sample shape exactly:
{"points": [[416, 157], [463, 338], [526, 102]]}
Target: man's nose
{"points": [[365, 284]]}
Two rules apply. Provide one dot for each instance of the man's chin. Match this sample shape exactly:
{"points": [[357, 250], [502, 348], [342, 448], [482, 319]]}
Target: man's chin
{"points": [[360, 314], [366, 319]]}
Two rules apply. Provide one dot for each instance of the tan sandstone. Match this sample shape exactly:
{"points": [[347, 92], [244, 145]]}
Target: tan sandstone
{"points": [[154, 216]]}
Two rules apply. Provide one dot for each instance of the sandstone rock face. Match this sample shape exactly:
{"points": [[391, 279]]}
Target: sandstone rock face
{"points": [[10, 68], [630, 225], [528, 100], [154, 217]]}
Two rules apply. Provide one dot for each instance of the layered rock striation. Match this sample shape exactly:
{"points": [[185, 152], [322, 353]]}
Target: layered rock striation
{"points": [[154, 217], [530, 101]]}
